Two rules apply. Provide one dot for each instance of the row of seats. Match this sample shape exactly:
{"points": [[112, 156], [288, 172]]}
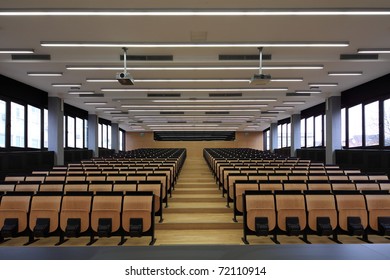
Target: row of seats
{"points": [[241, 186], [126, 186], [77, 214], [316, 212]]}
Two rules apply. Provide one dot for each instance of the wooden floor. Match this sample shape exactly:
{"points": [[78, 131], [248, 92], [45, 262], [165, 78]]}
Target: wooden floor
{"points": [[197, 215]]}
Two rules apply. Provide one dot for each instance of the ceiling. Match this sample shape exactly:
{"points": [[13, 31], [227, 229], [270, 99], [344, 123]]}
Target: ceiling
{"points": [[135, 111]]}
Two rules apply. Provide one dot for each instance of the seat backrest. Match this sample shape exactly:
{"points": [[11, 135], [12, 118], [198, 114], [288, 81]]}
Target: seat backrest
{"points": [[347, 186], [75, 207], [51, 187], [319, 186], [7, 187], [154, 187], [378, 177], [352, 205], [290, 205], [338, 178], [45, 207], [116, 178], [106, 207], [94, 187], [377, 206], [355, 178], [321, 205], [14, 178], [75, 178], [35, 178], [137, 207], [288, 186], [271, 186], [367, 186], [125, 186], [78, 187], [27, 187], [16, 207], [260, 206], [96, 178], [57, 178], [239, 189]]}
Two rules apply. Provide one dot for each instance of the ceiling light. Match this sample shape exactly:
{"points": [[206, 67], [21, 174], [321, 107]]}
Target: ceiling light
{"points": [[276, 111], [194, 12], [193, 116], [195, 110], [192, 45], [349, 73], [214, 101], [112, 111], [182, 125], [323, 84], [105, 108], [81, 92], [197, 106], [381, 50], [308, 91], [196, 68], [190, 89], [16, 51], [286, 79], [66, 85], [95, 103], [283, 107], [44, 74], [294, 102]]}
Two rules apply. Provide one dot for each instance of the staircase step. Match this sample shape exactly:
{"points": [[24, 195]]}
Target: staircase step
{"points": [[197, 191], [173, 210], [197, 200], [198, 226], [196, 205]]}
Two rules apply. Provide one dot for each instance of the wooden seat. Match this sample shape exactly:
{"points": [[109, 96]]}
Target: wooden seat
{"points": [[294, 186], [156, 188], [365, 186], [52, 187], [351, 206], [270, 186], [76, 187], [378, 207], [347, 186], [239, 188], [100, 186], [320, 206], [7, 187], [319, 185], [27, 187], [290, 206]]}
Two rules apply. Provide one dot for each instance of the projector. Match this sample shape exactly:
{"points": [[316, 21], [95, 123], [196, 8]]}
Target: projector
{"points": [[125, 79], [260, 79]]}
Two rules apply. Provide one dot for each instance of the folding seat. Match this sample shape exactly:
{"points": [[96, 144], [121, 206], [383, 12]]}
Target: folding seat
{"points": [[75, 214], [239, 188], [378, 206], [384, 185], [71, 178], [14, 209], [100, 186], [44, 215], [40, 173], [296, 177], [277, 177], [136, 177], [76, 172], [92, 173], [35, 178], [294, 186], [76, 186], [96, 178], [138, 215], [231, 179], [291, 212], [105, 215], [338, 178], [56, 178], [378, 177], [27, 187], [125, 186], [156, 188], [352, 171], [14, 179], [258, 177], [162, 178], [367, 185], [343, 186], [116, 178], [321, 212], [356, 177], [318, 177], [271, 186], [352, 212], [52, 187], [319, 185]]}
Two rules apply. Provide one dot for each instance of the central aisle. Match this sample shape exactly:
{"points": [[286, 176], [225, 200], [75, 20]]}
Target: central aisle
{"points": [[197, 212]]}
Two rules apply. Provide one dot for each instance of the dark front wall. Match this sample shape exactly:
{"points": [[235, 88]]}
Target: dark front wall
{"points": [[76, 155], [314, 154]]}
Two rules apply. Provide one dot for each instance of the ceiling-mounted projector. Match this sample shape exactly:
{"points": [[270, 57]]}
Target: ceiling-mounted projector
{"points": [[260, 79], [124, 78]]}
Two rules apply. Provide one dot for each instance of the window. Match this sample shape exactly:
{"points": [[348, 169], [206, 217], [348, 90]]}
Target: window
{"points": [[79, 133], [279, 136], [288, 135], [85, 134], [309, 132], [386, 121], [17, 125], [303, 130], [355, 126], [104, 134], [284, 134], [100, 135], [318, 131], [34, 127], [121, 140], [2, 123], [71, 132], [109, 137], [371, 123], [343, 128], [45, 129], [324, 130]]}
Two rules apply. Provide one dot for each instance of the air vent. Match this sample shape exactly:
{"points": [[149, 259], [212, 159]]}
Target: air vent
{"points": [[148, 57], [237, 94], [249, 121], [171, 113], [92, 95], [359, 56], [217, 113], [243, 57], [120, 113], [177, 122], [164, 95], [212, 121], [268, 113], [194, 135], [297, 94], [31, 57]]}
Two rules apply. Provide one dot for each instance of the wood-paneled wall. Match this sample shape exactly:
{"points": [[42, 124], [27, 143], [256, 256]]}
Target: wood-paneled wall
{"points": [[194, 148]]}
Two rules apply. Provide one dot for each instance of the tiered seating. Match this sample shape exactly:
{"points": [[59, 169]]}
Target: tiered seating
{"points": [[294, 197]]}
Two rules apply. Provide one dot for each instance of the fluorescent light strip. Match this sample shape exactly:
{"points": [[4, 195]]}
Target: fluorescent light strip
{"points": [[112, 111], [212, 100], [182, 125], [66, 85], [380, 50], [323, 84], [159, 117], [196, 68], [283, 107], [105, 108], [190, 89], [197, 106], [192, 45], [95, 103], [196, 12], [194, 128], [193, 80], [352, 73], [294, 102], [308, 91], [276, 111], [44, 74], [194, 110], [81, 92], [16, 51]]}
